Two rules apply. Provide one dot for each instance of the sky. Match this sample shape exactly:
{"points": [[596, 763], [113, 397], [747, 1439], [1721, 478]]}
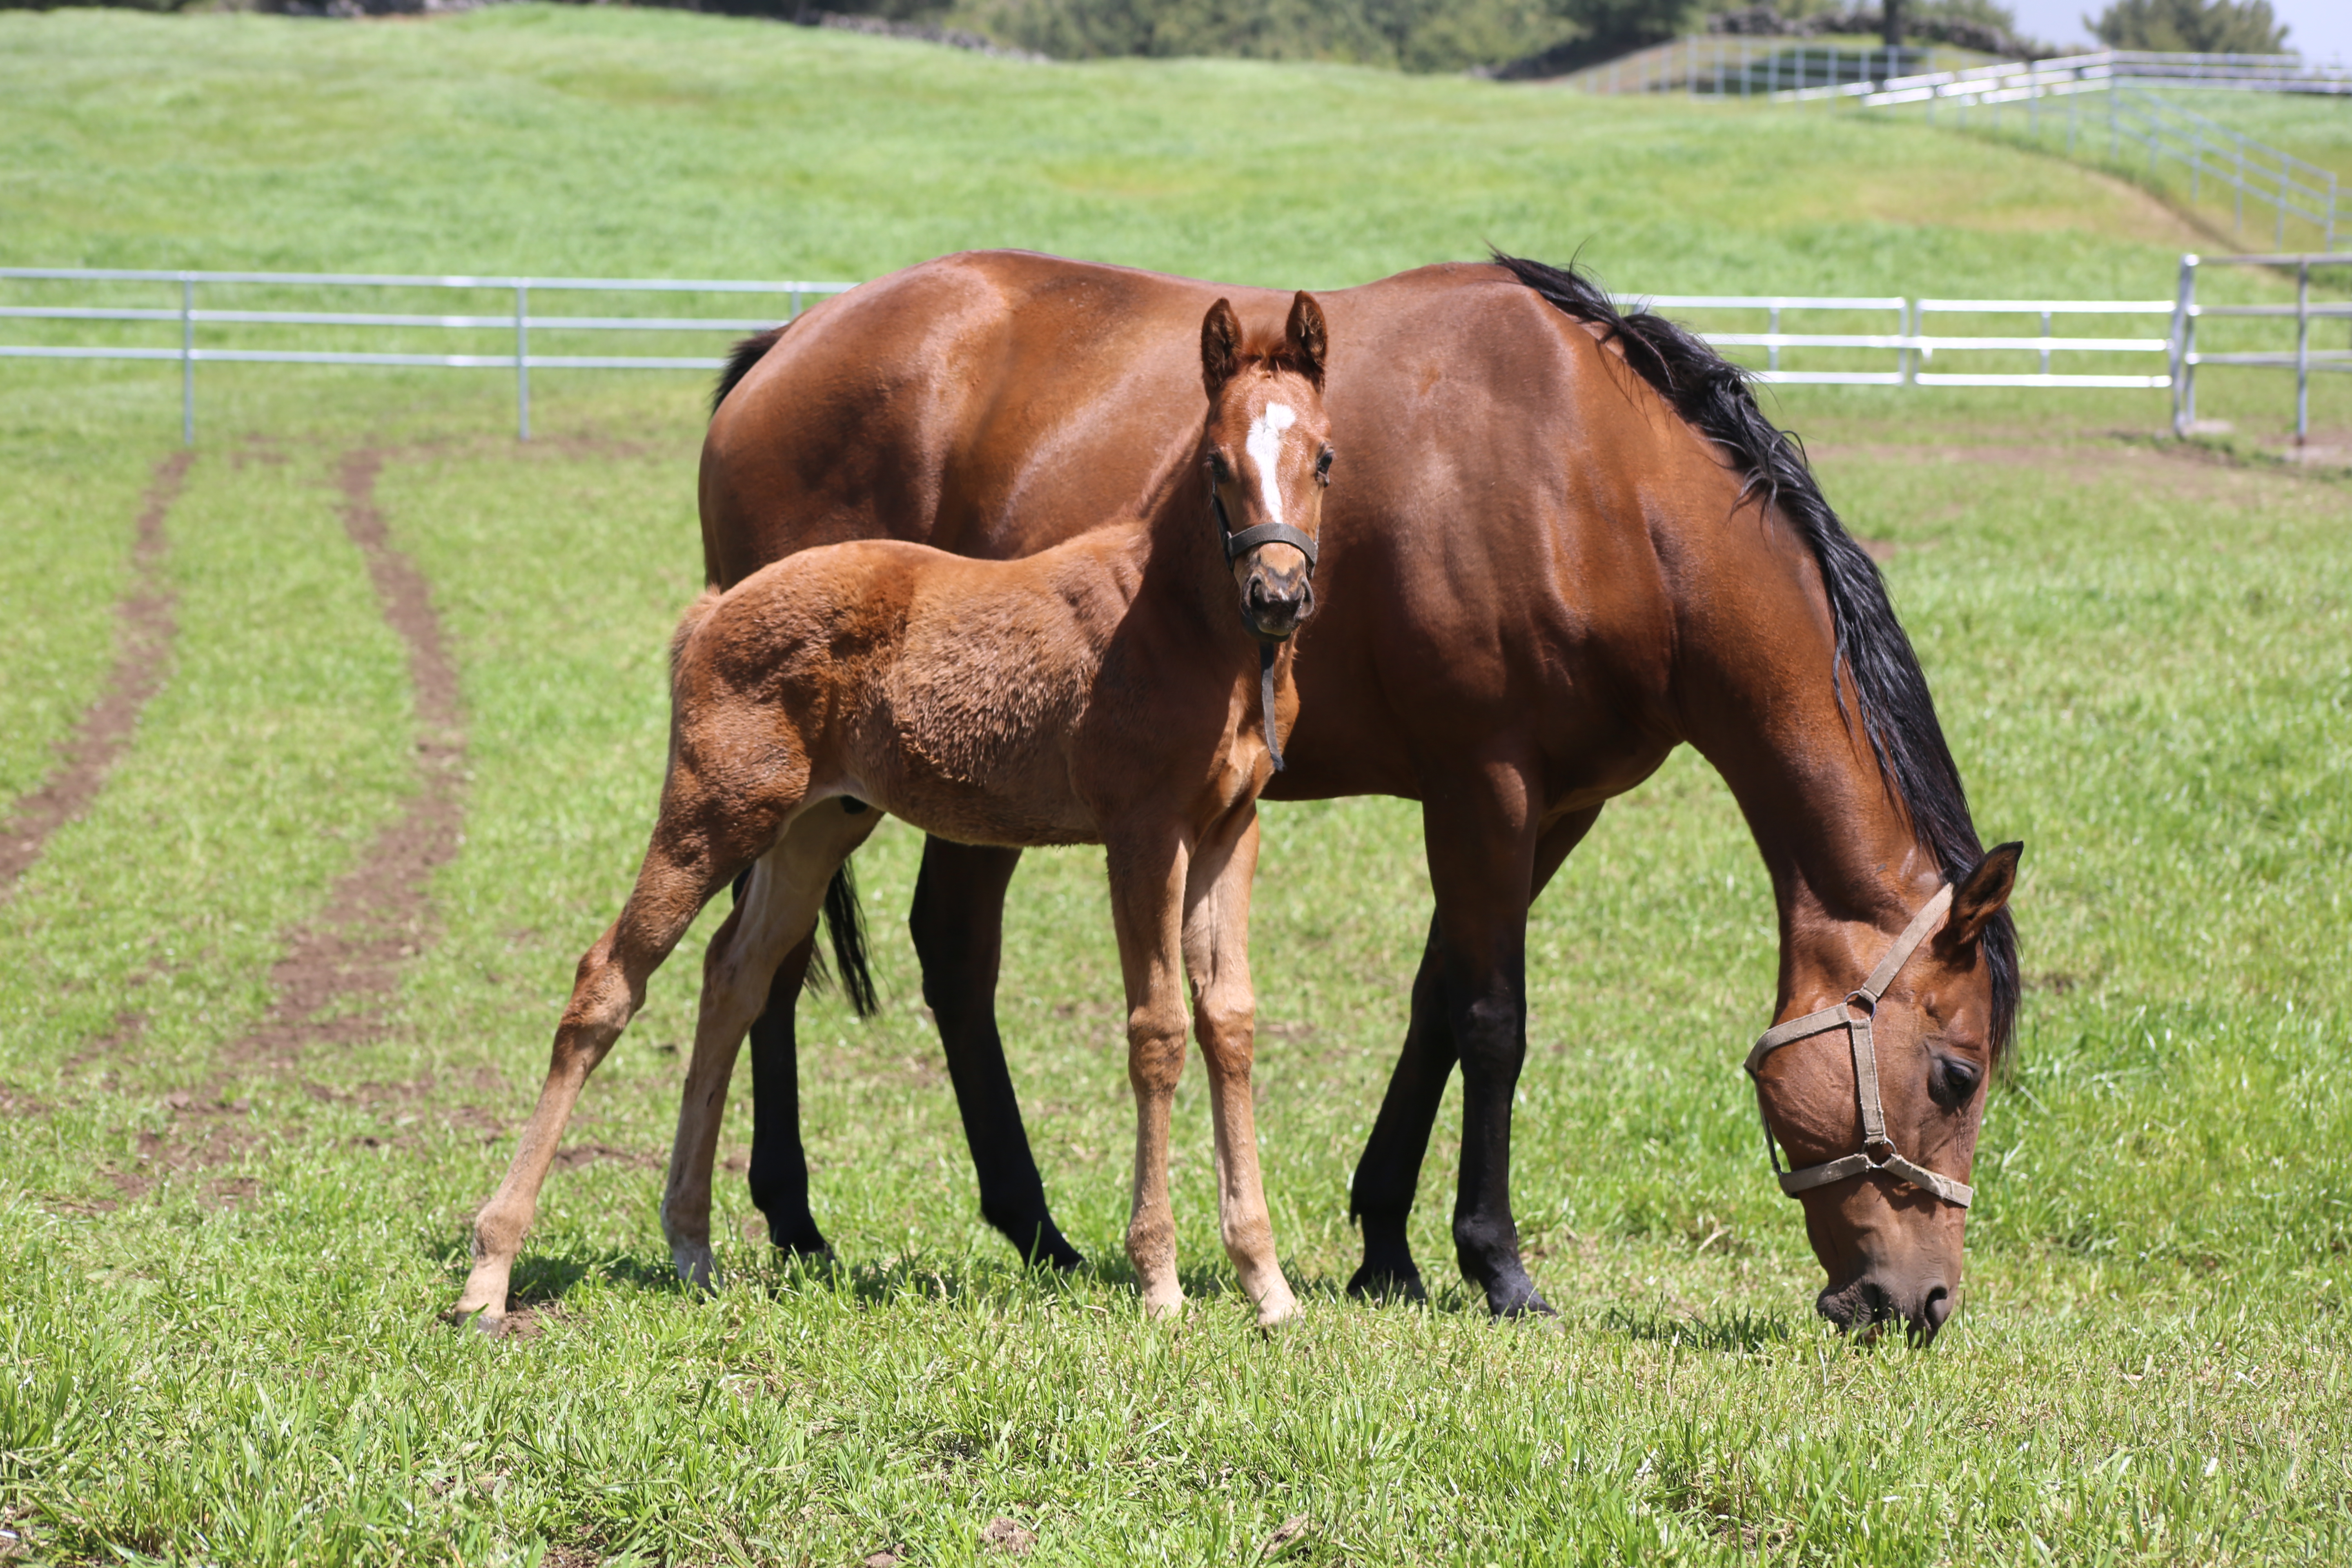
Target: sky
{"points": [[2319, 30]]}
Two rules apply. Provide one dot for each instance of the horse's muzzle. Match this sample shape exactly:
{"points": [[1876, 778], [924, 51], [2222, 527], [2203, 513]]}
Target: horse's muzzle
{"points": [[1275, 603], [1869, 1306]]}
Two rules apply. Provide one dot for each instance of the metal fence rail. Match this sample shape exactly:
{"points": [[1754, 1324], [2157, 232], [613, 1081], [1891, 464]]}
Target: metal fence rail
{"points": [[1894, 340], [2302, 359], [1912, 346], [1720, 64], [2135, 123], [519, 321]]}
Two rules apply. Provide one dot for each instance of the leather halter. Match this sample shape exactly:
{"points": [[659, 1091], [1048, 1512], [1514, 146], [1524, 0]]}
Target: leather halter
{"points": [[1854, 1015], [1236, 546]]}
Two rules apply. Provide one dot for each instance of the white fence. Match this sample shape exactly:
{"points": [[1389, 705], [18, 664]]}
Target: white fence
{"points": [[1912, 347], [2132, 122], [1897, 339], [517, 320], [2302, 359]]}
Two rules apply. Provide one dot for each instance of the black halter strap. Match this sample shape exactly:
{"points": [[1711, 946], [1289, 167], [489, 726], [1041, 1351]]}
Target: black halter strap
{"points": [[1240, 545], [1236, 546]]}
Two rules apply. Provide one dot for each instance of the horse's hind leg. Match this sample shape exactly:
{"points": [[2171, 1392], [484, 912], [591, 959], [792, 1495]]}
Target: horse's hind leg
{"points": [[778, 912], [779, 1175], [679, 876], [957, 924], [1224, 1016]]}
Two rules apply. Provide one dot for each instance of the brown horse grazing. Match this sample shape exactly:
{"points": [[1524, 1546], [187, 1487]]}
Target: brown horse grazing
{"points": [[1103, 691], [1568, 541]]}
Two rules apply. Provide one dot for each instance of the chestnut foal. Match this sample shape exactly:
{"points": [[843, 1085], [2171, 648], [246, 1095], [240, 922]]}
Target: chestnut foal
{"points": [[1103, 691]]}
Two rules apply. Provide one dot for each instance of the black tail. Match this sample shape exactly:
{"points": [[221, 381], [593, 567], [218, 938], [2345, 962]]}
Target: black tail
{"points": [[1890, 691], [746, 352], [844, 921]]}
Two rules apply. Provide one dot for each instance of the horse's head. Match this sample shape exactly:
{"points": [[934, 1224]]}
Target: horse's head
{"points": [[1875, 1085], [1268, 452]]}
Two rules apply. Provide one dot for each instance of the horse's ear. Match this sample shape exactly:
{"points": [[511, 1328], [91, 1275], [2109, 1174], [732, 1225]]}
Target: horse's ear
{"points": [[1221, 347], [1305, 338], [1982, 895]]}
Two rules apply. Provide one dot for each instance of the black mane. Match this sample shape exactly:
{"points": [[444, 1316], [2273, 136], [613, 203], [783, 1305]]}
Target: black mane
{"points": [[746, 352], [1890, 693]]}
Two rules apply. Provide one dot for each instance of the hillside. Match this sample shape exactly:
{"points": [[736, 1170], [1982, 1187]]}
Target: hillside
{"points": [[638, 142]]}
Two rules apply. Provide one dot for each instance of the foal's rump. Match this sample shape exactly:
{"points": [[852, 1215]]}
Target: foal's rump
{"points": [[943, 691]]}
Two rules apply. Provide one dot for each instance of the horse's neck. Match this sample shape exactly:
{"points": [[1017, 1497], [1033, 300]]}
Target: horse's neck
{"points": [[1842, 852]]}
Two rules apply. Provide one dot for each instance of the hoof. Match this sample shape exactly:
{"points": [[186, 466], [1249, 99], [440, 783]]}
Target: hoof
{"points": [[695, 1263], [1519, 1299], [479, 1320], [1272, 1315], [1164, 1308], [1384, 1285]]}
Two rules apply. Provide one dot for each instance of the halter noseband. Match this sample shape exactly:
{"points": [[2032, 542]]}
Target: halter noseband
{"points": [[1236, 546], [1877, 1151]]}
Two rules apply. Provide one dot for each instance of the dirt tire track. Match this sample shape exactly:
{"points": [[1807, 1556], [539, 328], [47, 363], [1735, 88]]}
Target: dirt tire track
{"points": [[379, 914], [143, 650]]}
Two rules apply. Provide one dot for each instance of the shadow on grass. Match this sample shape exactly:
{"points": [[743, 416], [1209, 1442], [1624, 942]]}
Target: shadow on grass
{"points": [[1735, 1330]]}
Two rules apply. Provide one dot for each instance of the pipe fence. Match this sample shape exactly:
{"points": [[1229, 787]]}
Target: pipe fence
{"points": [[2133, 122], [518, 320], [2302, 359], [1845, 340]]}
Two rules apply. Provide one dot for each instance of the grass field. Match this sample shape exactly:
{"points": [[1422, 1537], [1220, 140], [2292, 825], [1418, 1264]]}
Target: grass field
{"points": [[223, 1250]]}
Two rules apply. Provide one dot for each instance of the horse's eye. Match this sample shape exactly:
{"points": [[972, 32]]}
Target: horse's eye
{"points": [[1951, 1081], [1323, 466], [1220, 469]]}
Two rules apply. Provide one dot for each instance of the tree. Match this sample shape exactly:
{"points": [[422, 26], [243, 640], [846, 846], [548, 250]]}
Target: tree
{"points": [[2190, 26]]}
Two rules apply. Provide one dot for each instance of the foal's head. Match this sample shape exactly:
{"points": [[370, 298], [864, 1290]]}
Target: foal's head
{"points": [[1268, 451]]}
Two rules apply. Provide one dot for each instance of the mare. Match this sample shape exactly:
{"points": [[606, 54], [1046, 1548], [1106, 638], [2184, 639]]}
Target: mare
{"points": [[1567, 542], [1112, 689]]}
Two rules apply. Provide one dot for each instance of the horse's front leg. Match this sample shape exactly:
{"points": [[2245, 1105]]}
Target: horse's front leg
{"points": [[1224, 1016], [1147, 901], [1382, 1195]]}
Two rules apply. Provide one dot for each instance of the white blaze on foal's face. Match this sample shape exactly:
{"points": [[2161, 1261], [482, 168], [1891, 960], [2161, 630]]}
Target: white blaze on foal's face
{"points": [[1265, 449]]}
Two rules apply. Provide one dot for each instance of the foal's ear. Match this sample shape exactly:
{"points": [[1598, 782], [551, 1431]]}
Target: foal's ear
{"points": [[1982, 895], [1221, 347], [1305, 338]]}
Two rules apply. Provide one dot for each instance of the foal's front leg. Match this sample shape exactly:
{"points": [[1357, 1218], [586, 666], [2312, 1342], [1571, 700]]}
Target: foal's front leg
{"points": [[1224, 1016], [1147, 901]]}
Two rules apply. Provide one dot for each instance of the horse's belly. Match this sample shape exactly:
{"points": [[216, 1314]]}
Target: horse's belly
{"points": [[1021, 807]]}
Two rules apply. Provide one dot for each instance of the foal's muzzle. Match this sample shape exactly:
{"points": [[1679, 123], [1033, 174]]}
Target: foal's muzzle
{"points": [[1276, 602]]}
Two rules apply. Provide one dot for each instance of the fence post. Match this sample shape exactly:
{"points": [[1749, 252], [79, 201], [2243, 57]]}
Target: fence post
{"points": [[2183, 348], [2302, 351], [2074, 120], [1773, 351], [2115, 129], [2046, 342], [187, 360], [522, 361]]}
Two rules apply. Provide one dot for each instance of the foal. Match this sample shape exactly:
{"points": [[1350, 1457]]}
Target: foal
{"points": [[1102, 691]]}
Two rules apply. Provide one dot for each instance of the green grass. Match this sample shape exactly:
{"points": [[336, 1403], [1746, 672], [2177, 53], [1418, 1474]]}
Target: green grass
{"points": [[219, 1323]]}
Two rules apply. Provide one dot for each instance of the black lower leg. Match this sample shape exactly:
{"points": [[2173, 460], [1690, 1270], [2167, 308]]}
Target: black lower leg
{"points": [[957, 924], [1490, 1029], [780, 1181], [1380, 1197]]}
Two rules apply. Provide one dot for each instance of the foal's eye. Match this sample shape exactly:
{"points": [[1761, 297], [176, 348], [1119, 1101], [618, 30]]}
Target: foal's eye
{"points": [[1323, 466], [1220, 468], [1951, 1081]]}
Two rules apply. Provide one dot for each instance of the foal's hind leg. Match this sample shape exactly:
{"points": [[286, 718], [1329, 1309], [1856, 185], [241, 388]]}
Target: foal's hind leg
{"points": [[777, 912], [682, 869], [1224, 1016]]}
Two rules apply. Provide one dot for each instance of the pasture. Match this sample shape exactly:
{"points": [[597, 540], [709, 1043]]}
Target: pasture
{"points": [[227, 1225]]}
